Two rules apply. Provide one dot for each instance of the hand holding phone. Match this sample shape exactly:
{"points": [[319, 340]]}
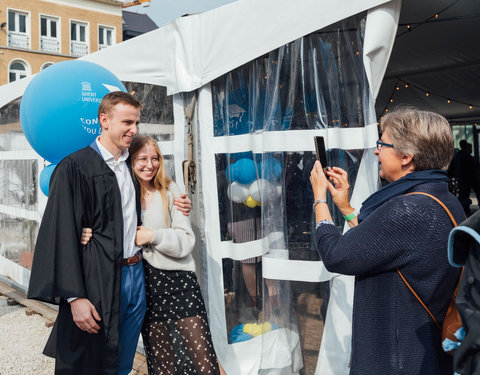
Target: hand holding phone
{"points": [[321, 152]]}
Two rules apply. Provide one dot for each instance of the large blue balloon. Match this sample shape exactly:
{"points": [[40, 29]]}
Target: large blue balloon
{"points": [[58, 111], [45, 176]]}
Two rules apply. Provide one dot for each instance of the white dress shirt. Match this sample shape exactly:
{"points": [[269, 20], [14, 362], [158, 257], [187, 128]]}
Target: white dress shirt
{"points": [[127, 192]]}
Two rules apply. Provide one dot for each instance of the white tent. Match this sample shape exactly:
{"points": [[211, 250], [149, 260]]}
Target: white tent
{"points": [[190, 57]]}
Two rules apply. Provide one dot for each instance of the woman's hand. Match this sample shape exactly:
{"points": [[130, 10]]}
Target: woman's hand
{"points": [[340, 189], [143, 236], [184, 204], [86, 235], [319, 181]]}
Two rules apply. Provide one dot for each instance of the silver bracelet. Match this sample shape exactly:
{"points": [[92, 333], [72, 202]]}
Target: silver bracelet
{"points": [[319, 201], [324, 222]]}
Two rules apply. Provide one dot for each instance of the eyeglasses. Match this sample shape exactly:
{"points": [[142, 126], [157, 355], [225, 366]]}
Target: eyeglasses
{"points": [[144, 161], [381, 144]]}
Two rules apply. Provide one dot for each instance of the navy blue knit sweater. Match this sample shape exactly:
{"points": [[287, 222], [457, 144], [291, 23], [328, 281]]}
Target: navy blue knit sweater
{"points": [[392, 333]]}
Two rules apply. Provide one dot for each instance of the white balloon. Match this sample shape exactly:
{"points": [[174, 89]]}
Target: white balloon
{"points": [[238, 193], [261, 188], [279, 189]]}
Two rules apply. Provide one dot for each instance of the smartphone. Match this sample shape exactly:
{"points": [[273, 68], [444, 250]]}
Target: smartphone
{"points": [[321, 153]]}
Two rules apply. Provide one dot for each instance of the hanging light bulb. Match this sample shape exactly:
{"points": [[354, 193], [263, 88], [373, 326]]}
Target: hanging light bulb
{"points": [[391, 100], [436, 16], [427, 94], [406, 85], [449, 101], [398, 88], [470, 106]]}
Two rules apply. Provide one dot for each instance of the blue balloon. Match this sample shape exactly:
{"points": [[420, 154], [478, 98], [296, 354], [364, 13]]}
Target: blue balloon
{"points": [[59, 108], [271, 169], [237, 334], [45, 176], [243, 171]]}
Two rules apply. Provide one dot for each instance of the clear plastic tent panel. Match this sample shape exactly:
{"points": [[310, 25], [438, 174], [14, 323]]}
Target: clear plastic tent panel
{"points": [[18, 189], [316, 82]]}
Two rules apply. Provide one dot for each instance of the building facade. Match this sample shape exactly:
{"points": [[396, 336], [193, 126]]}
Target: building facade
{"points": [[37, 33]]}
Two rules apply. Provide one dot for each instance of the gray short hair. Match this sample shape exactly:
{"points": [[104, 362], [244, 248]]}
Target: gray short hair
{"points": [[425, 135]]}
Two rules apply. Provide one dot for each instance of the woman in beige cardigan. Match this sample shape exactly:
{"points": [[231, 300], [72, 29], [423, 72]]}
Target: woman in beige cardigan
{"points": [[175, 331]]}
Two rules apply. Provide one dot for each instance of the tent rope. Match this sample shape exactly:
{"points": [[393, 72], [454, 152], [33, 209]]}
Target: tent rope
{"points": [[189, 167]]}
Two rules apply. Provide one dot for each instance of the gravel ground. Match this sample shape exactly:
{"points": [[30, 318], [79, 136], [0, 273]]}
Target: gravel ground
{"points": [[22, 338]]}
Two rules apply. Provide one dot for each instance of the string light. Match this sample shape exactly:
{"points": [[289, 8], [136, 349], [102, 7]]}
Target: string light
{"points": [[433, 18], [427, 92]]}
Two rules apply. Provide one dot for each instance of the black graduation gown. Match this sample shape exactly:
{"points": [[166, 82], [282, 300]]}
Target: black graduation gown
{"points": [[83, 193]]}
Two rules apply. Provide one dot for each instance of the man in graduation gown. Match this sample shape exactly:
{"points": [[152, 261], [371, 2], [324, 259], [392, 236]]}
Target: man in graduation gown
{"points": [[99, 286]]}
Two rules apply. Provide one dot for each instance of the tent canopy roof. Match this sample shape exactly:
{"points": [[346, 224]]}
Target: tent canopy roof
{"points": [[192, 51], [439, 55]]}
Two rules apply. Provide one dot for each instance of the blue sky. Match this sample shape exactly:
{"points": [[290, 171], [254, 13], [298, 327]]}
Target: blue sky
{"points": [[164, 11]]}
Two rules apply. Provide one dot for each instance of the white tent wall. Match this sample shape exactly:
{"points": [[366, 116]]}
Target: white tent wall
{"points": [[334, 353], [187, 55]]}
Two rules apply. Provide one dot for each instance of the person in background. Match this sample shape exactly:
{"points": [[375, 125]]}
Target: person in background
{"points": [[175, 331], [466, 171], [391, 332]]}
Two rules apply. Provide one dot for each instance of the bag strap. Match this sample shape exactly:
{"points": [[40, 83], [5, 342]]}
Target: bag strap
{"points": [[403, 277], [419, 299]]}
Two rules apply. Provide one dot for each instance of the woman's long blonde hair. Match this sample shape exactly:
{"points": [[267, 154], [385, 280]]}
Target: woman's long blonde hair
{"points": [[161, 181]]}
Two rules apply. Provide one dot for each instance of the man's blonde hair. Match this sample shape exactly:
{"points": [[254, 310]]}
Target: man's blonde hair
{"points": [[113, 98]]}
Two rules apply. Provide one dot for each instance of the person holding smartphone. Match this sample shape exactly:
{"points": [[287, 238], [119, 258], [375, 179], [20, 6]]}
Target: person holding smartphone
{"points": [[391, 332]]}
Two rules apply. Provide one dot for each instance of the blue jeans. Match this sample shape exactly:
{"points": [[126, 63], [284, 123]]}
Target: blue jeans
{"points": [[132, 311]]}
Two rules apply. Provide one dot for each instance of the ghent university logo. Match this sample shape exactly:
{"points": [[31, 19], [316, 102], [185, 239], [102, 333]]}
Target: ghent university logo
{"points": [[89, 97]]}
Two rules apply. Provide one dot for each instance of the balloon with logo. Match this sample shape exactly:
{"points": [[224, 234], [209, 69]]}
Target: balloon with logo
{"points": [[58, 111], [45, 176]]}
